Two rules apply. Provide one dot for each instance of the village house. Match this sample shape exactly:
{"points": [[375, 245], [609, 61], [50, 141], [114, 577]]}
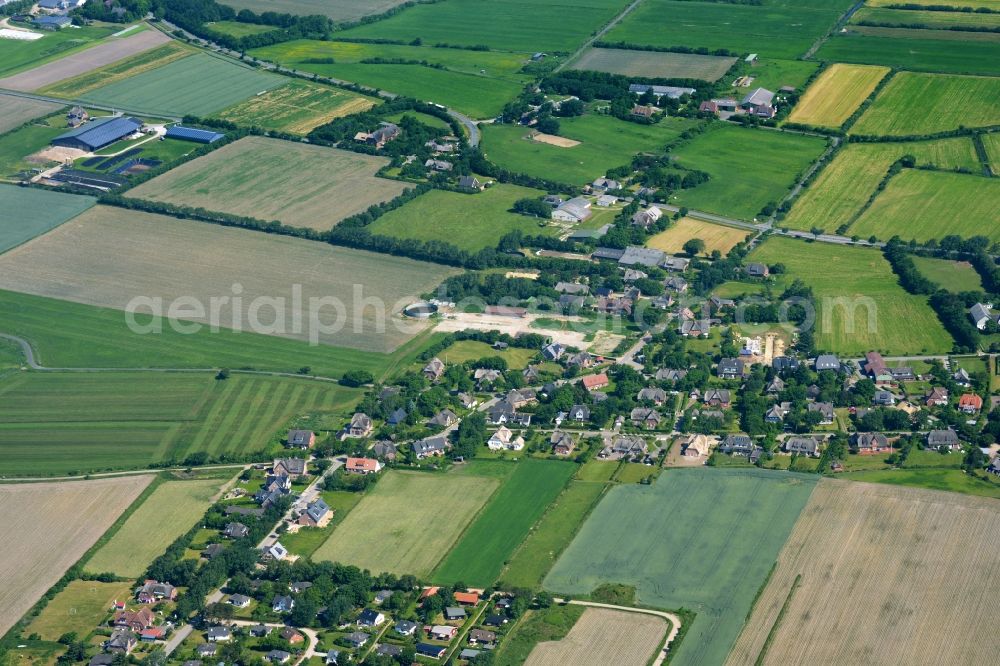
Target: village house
{"points": [[595, 382], [442, 632], [357, 639], [405, 627], [981, 315], [717, 398], [827, 362], [370, 618], [644, 417], [562, 443], [970, 403], [870, 442], [884, 399], [290, 467], [438, 165], [397, 416], [363, 466], [301, 439], [503, 412], [647, 217], [670, 375], [624, 446], [275, 552], [553, 351], [876, 368], [134, 620], [805, 446], [777, 385], [277, 657], [443, 419], [361, 425], [282, 603], [655, 395], [825, 410], [218, 634], [936, 397], [239, 600], [384, 134], [470, 183], [434, 369], [122, 641], [575, 210], [579, 413], [235, 531], [316, 514], [505, 439], [778, 412], [730, 368], [206, 650], [430, 650], [675, 264], [482, 637], [697, 446], [431, 446], [737, 444], [943, 438], [759, 102], [153, 591]]}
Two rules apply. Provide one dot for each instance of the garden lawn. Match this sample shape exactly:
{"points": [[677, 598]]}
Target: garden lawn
{"points": [[472, 350], [716, 236], [489, 541], [955, 276], [306, 540], [470, 221], [37, 212], [748, 168], [605, 143], [701, 554], [79, 607], [914, 103], [884, 317], [393, 528], [836, 94], [927, 51], [921, 205], [844, 186]]}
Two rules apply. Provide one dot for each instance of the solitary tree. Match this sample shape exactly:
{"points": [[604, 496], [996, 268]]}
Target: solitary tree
{"points": [[694, 246]]}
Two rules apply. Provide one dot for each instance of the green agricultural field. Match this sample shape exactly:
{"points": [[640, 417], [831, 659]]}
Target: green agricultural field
{"points": [[605, 143], [778, 29], [947, 102], [118, 71], [921, 205], [295, 107], [539, 551], [505, 25], [79, 607], [445, 216], [991, 142], [237, 29], [836, 94], [471, 350], [93, 337], [734, 190], [197, 85], [173, 507], [16, 147], [654, 64], [950, 480], [844, 186], [724, 549], [863, 277], [504, 523], [15, 111], [774, 73], [425, 118], [37, 212], [955, 276], [60, 423], [17, 55], [929, 19], [338, 10], [930, 51], [393, 529], [548, 624], [973, 4]]}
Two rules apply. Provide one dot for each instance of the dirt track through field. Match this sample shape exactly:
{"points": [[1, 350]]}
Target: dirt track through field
{"points": [[109, 51], [48, 527], [604, 636]]}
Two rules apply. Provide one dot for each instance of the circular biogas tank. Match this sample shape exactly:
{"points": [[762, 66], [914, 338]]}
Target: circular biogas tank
{"points": [[420, 310]]}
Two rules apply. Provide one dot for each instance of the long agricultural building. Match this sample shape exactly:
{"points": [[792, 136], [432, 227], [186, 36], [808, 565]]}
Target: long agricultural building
{"points": [[98, 133]]}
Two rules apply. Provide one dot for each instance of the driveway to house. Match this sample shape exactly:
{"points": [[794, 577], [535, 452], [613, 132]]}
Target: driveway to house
{"points": [[674, 620], [310, 494]]}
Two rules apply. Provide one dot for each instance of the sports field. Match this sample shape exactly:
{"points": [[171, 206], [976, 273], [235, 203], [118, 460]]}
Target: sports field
{"points": [[444, 216], [198, 85], [850, 281], [946, 103], [174, 507], [716, 236], [605, 143], [75, 86], [836, 94], [54, 524], [505, 25], [921, 205], [777, 29], [604, 636], [654, 64], [81, 606], [487, 544], [955, 276], [408, 522], [297, 184], [17, 55], [845, 185], [15, 111], [37, 212], [338, 10], [702, 553], [863, 546], [734, 190], [918, 50], [61, 423], [277, 278], [295, 107]]}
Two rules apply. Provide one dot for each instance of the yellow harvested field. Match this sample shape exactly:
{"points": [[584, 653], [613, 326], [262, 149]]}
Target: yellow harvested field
{"points": [[604, 636], [119, 71], [49, 527], [716, 236], [877, 574], [836, 94], [288, 287]]}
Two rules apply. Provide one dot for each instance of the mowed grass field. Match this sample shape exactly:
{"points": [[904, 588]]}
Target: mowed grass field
{"points": [[61, 423], [778, 28], [605, 143], [921, 205], [296, 107], [702, 554], [504, 25], [472, 350], [991, 142], [654, 64], [338, 10], [143, 62], [840, 191], [836, 94], [735, 189], [918, 50], [173, 507], [955, 276], [604, 636], [198, 85], [54, 524], [915, 103], [716, 236], [93, 337], [78, 607], [408, 522], [487, 544], [237, 29], [15, 111], [278, 278], [859, 301], [855, 547], [300, 185], [445, 216], [930, 19], [37, 212]]}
